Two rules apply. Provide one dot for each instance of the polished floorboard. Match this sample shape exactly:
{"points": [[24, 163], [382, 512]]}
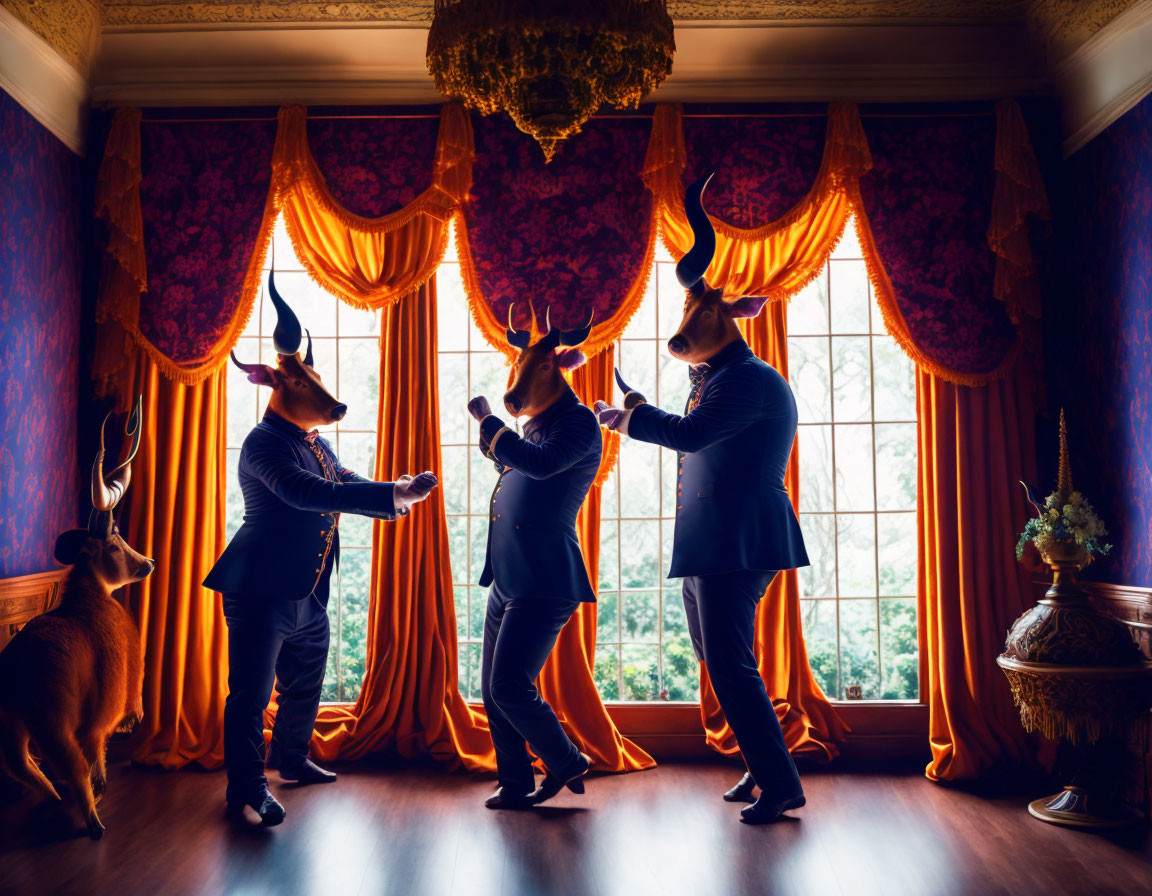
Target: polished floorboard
{"points": [[417, 830]]}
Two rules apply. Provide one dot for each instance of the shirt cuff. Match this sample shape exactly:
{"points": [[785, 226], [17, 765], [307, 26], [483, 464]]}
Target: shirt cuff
{"points": [[495, 438]]}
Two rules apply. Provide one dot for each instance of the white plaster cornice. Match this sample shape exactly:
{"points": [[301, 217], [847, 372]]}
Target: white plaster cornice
{"points": [[1106, 75], [41, 81]]}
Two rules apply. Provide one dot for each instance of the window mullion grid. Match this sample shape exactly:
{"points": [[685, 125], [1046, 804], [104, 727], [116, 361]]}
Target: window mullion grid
{"points": [[659, 509], [875, 501], [619, 572], [468, 518], [340, 573], [835, 491]]}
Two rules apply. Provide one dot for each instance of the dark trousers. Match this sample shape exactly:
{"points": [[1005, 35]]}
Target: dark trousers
{"points": [[285, 641], [722, 623], [518, 636]]}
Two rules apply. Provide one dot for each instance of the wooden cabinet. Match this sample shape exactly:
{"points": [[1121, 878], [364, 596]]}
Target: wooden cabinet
{"points": [[26, 597]]}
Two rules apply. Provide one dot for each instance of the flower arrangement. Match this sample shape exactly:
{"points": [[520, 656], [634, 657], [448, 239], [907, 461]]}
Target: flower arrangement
{"points": [[1060, 520], [1065, 523]]}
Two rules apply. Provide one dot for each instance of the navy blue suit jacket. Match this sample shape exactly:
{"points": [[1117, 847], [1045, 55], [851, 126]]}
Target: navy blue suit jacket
{"points": [[533, 551], [733, 512], [291, 509]]}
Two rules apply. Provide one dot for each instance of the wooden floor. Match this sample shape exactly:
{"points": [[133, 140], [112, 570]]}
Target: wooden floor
{"points": [[408, 831]]}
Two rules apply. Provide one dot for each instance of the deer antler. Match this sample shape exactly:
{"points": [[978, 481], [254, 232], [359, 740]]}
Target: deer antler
{"points": [[107, 490]]}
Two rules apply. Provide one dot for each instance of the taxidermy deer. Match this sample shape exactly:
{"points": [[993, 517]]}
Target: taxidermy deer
{"points": [[73, 675]]}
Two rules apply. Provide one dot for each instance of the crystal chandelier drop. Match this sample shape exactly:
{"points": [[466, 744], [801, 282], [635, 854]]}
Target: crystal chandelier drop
{"points": [[550, 64]]}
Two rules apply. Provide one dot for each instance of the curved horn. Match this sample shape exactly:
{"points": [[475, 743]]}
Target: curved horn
{"points": [[580, 334], [107, 491], [516, 338], [308, 354], [131, 428], [101, 497], [286, 336], [247, 368], [551, 337], [691, 268]]}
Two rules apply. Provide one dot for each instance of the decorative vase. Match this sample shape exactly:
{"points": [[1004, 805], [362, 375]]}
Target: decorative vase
{"points": [[1076, 675]]}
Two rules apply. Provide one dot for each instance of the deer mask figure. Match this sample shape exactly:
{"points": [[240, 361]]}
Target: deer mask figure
{"points": [[73, 675], [298, 394], [709, 321], [535, 381]]}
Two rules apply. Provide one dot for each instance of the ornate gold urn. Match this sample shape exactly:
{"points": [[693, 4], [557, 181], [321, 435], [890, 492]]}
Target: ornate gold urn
{"points": [[1076, 674]]}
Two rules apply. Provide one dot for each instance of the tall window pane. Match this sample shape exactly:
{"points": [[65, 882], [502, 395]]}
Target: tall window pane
{"points": [[856, 394]]}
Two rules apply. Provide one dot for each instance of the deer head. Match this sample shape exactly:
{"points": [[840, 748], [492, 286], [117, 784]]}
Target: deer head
{"points": [[709, 321], [298, 394], [535, 381], [99, 549]]}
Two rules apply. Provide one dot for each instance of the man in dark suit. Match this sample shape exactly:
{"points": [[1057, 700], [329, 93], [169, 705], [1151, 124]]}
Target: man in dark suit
{"points": [[735, 525], [274, 574], [533, 563]]}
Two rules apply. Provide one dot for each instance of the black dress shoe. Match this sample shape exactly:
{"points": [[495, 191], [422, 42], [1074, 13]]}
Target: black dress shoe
{"points": [[766, 811], [265, 805], [742, 792], [551, 785], [307, 772], [504, 798]]}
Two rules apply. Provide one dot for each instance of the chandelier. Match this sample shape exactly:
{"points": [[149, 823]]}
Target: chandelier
{"points": [[550, 64]]}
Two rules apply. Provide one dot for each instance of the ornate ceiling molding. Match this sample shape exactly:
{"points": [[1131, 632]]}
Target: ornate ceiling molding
{"points": [[70, 27], [130, 14], [1065, 25], [1106, 75], [38, 78]]}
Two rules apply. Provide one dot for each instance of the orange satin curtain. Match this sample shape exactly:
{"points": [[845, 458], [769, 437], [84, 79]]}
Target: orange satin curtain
{"points": [[782, 257], [175, 514], [369, 262], [975, 443], [174, 508], [566, 680], [410, 704]]}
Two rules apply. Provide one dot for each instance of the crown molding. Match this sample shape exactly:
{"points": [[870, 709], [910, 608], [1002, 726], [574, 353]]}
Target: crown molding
{"points": [[715, 61], [129, 14], [1106, 75], [40, 80]]}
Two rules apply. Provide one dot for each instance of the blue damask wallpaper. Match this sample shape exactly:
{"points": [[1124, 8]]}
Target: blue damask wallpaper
{"points": [[41, 251], [1099, 357]]}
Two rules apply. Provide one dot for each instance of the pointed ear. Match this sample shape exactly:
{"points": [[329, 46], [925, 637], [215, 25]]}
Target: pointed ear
{"points": [[570, 358], [69, 545], [747, 306], [262, 375]]}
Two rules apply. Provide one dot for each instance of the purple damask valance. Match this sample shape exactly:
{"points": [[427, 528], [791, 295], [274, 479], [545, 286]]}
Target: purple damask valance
{"points": [[575, 234], [375, 166], [928, 199], [764, 165], [202, 195]]}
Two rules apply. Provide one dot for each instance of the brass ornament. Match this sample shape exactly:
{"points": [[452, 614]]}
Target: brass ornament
{"points": [[550, 64]]}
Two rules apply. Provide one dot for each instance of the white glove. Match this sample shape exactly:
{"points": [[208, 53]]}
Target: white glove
{"points": [[409, 490]]}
